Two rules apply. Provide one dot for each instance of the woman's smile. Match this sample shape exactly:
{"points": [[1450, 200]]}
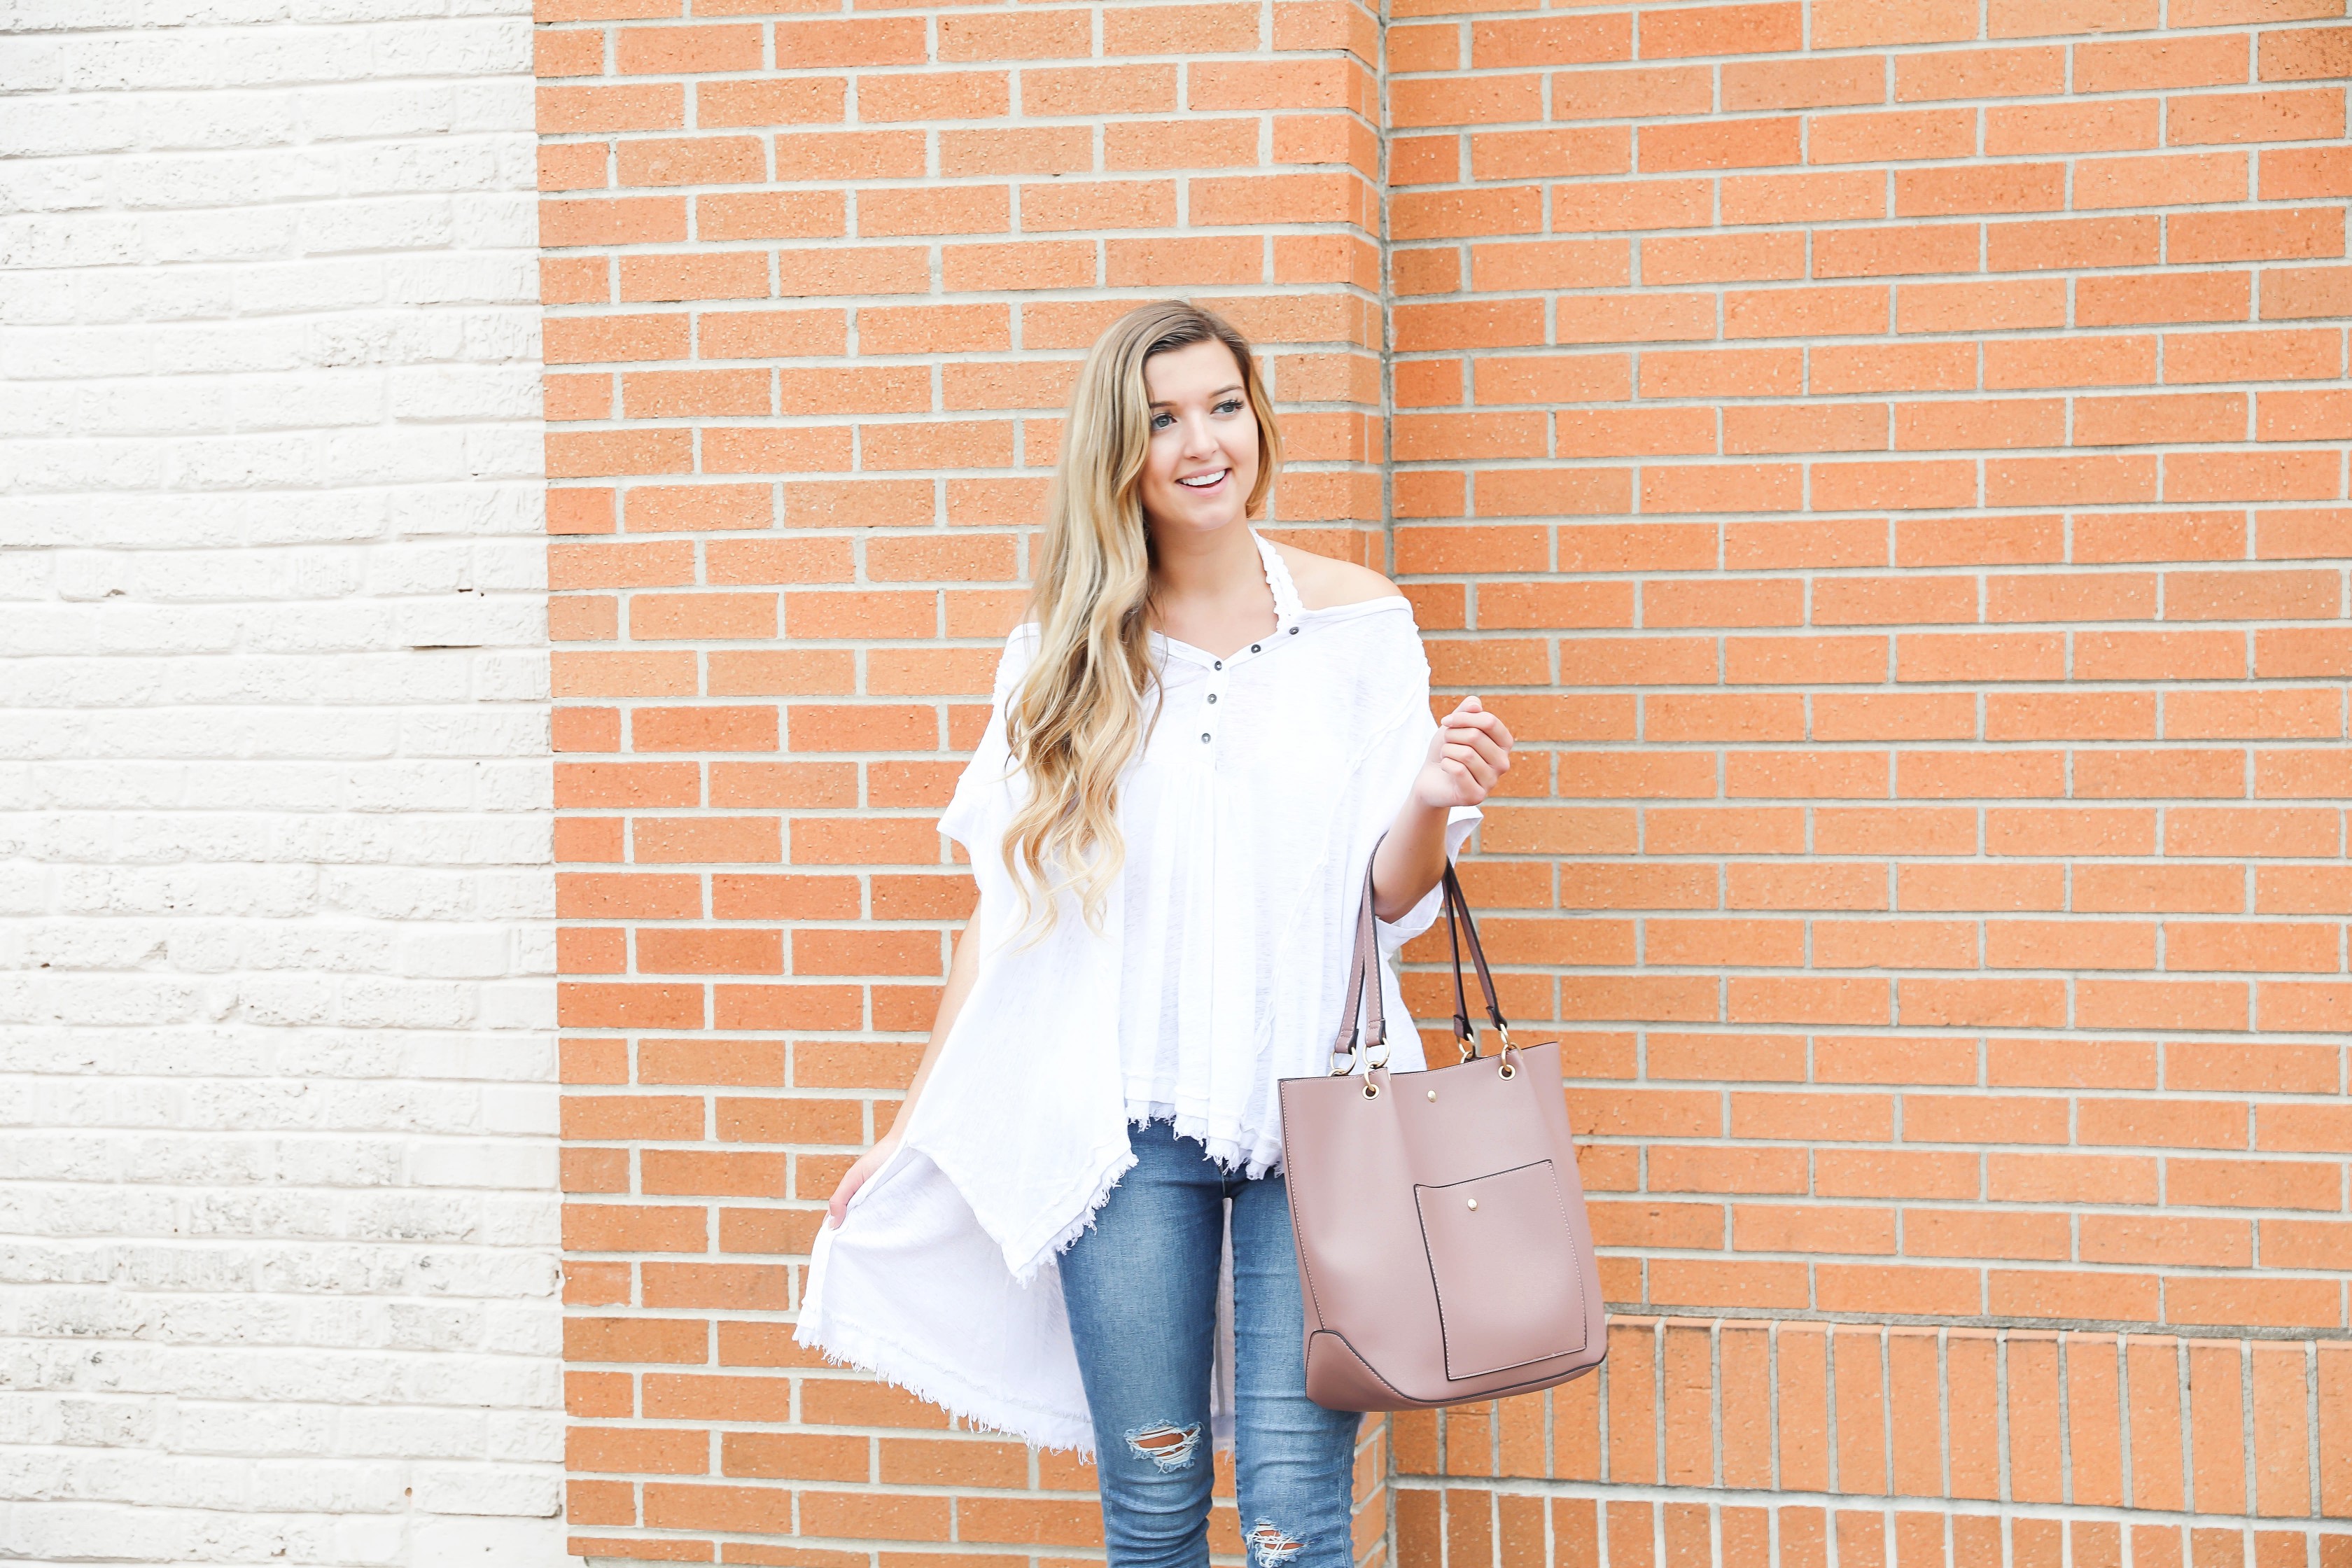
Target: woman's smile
{"points": [[1202, 455]]}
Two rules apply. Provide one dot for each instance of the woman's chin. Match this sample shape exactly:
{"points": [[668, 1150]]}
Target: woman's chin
{"points": [[1200, 516]]}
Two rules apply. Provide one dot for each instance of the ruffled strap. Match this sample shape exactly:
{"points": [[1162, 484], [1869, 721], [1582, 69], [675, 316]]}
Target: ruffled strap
{"points": [[1288, 606]]}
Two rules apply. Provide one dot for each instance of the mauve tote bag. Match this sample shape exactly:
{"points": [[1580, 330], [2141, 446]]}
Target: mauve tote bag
{"points": [[1443, 1245]]}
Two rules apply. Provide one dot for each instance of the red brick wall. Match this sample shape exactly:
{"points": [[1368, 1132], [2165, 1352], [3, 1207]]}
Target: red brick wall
{"points": [[1900, 1445], [1885, 459], [1887, 456], [817, 285]]}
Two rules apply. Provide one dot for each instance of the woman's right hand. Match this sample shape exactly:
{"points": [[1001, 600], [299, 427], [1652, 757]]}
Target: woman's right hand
{"points": [[857, 1176], [962, 968]]}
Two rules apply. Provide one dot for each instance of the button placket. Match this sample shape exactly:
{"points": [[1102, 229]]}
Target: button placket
{"points": [[1216, 682]]}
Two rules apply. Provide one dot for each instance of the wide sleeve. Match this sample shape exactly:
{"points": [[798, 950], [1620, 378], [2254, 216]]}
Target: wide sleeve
{"points": [[976, 814]]}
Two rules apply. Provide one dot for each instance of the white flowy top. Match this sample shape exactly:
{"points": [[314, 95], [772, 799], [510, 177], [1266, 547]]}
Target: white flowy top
{"points": [[1249, 819]]}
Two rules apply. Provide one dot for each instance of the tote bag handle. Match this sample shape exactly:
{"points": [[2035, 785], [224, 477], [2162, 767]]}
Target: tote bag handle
{"points": [[1368, 1035], [1466, 1036], [1357, 1033]]}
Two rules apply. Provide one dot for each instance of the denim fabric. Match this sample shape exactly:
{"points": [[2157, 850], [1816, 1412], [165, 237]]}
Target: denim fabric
{"points": [[1141, 1290]]}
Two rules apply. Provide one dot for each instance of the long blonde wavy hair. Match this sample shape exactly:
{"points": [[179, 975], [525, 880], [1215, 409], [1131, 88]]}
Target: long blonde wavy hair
{"points": [[1077, 718]]}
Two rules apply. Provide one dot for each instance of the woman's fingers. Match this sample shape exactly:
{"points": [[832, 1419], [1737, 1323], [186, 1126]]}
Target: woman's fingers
{"points": [[853, 1179], [1496, 754], [1470, 717], [1477, 767], [1474, 747], [1495, 751]]}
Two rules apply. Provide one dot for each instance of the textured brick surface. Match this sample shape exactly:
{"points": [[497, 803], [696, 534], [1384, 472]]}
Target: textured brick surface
{"points": [[278, 1209], [1892, 493], [1886, 461], [1938, 1441], [817, 287], [1874, 451]]}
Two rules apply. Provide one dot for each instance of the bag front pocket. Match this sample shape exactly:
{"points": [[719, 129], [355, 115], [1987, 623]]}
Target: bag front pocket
{"points": [[1503, 1262]]}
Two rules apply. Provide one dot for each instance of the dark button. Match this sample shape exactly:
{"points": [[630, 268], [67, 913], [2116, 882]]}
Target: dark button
{"points": [[1220, 664], [1213, 697], [1204, 734], [1253, 647], [1294, 631]]}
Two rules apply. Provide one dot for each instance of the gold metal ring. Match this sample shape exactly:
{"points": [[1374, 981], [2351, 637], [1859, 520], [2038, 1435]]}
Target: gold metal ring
{"points": [[1371, 1088], [1507, 1071]]}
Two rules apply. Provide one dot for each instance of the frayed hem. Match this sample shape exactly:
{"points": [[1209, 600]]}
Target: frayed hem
{"points": [[1066, 1237], [967, 1404], [1227, 1154], [1036, 1248]]}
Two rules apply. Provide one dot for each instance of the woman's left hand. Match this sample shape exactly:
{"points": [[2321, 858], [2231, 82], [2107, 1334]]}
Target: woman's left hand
{"points": [[1471, 751]]}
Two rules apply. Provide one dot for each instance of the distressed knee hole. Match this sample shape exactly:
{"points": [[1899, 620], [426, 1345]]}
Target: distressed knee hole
{"points": [[1272, 1545], [1169, 1447]]}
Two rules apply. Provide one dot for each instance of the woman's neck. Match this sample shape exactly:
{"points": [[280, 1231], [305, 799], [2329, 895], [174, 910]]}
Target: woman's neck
{"points": [[1210, 590]]}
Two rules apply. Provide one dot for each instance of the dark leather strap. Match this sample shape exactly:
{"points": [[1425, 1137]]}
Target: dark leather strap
{"points": [[1454, 902]]}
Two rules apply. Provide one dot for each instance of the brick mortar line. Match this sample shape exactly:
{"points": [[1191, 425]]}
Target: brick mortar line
{"points": [[1851, 1502], [811, 1207], [1989, 1323], [2101, 1208], [730, 923], [2254, 86]]}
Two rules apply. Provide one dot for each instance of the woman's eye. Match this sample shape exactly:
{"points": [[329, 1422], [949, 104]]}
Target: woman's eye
{"points": [[1163, 421], [1230, 406]]}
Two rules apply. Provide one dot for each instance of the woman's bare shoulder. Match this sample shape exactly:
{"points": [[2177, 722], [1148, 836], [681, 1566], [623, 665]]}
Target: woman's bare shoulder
{"points": [[1326, 583]]}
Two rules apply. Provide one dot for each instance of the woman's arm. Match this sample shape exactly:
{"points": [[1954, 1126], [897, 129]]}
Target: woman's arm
{"points": [[961, 969], [1471, 750]]}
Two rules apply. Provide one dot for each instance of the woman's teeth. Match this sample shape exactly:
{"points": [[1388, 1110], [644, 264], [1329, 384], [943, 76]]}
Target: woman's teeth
{"points": [[1202, 481]]}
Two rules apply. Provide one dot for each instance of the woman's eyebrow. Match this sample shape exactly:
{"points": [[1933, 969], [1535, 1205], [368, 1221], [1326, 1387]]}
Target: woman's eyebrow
{"points": [[1169, 402]]}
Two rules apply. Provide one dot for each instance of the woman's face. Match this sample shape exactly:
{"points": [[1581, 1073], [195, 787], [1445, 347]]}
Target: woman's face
{"points": [[1203, 461]]}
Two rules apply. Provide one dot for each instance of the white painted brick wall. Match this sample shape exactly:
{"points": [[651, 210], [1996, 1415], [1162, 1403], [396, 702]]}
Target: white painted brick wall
{"points": [[278, 1220]]}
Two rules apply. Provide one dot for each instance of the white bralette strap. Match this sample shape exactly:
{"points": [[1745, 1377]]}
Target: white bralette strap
{"points": [[1288, 606]]}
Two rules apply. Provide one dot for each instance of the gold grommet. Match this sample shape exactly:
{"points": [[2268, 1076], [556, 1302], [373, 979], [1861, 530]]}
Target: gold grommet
{"points": [[1371, 1090], [1507, 1071]]}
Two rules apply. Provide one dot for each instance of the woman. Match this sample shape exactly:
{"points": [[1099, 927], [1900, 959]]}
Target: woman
{"points": [[1198, 742]]}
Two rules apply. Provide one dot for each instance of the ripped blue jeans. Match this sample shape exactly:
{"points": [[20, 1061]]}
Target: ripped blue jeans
{"points": [[1141, 1288]]}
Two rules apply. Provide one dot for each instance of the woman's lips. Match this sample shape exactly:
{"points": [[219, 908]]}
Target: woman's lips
{"points": [[1204, 481]]}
